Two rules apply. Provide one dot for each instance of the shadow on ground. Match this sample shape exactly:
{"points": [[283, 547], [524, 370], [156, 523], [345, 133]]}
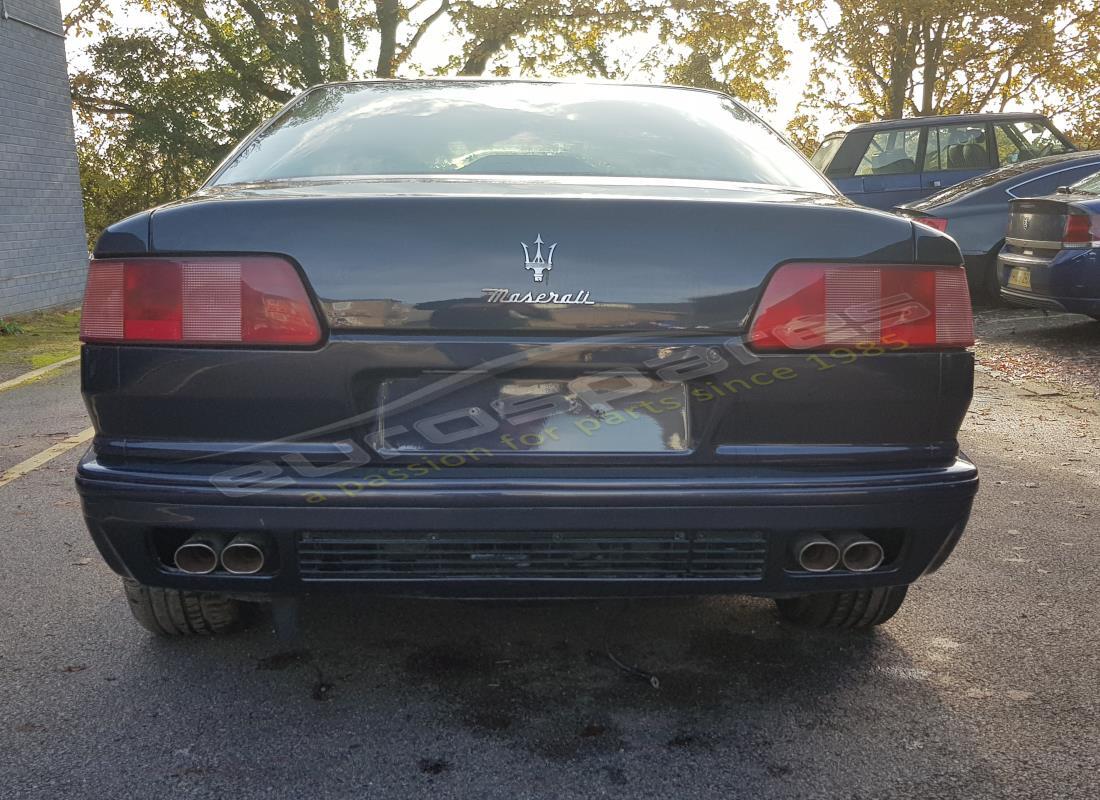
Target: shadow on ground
{"points": [[448, 690]]}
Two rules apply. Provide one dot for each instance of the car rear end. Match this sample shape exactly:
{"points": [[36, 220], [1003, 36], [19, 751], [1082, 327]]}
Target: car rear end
{"points": [[1051, 257], [517, 386]]}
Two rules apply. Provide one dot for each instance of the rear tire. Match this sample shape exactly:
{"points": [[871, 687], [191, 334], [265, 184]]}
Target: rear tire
{"points": [[171, 612], [852, 610]]}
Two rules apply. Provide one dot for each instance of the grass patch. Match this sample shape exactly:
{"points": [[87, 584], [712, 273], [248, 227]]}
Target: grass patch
{"points": [[38, 340]]}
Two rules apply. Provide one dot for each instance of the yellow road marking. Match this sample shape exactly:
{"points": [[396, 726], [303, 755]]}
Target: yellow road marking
{"points": [[34, 374], [47, 455]]}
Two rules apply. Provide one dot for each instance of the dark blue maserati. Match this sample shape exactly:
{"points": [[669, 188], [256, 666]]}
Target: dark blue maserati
{"points": [[522, 339]]}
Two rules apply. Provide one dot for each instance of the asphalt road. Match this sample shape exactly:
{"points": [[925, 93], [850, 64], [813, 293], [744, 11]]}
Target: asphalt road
{"points": [[985, 684]]}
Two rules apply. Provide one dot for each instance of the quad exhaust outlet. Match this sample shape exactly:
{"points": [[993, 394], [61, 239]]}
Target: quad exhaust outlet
{"points": [[246, 554], [858, 553], [199, 555], [815, 553], [851, 551]]}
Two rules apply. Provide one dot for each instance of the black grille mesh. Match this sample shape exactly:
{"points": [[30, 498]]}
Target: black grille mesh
{"points": [[675, 554]]}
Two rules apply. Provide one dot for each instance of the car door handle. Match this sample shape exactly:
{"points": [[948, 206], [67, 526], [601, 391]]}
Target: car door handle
{"points": [[937, 184]]}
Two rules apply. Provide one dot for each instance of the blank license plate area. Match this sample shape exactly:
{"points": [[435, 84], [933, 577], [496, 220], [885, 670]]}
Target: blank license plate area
{"points": [[588, 414]]}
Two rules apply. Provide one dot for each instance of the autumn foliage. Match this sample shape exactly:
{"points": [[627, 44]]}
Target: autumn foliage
{"points": [[163, 88]]}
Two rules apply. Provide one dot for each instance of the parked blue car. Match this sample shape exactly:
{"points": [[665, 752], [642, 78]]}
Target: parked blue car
{"points": [[885, 164], [975, 212], [1051, 257]]}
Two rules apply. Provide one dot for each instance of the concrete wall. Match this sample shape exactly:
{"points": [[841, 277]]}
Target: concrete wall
{"points": [[43, 250]]}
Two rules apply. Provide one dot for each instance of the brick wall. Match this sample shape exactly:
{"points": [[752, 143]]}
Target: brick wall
{"points": [[43, 251]]}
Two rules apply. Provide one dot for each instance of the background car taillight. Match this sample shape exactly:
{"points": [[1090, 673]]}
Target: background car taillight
{"points": [[821, 306], [1081, 230], [932, 222], [200, 300]]}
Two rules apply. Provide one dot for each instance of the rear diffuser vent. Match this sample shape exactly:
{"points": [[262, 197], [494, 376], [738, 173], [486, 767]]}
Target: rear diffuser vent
{"points": [[674, 554]]}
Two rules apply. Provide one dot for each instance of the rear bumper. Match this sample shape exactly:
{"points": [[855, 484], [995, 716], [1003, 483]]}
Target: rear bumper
{"points": [[1069, 281], [1073, 305], [498, 517]]}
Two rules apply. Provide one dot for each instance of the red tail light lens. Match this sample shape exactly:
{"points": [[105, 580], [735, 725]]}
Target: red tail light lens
{"points": [[1079, 229], [933, 222], [820, 306], [202, 300]]}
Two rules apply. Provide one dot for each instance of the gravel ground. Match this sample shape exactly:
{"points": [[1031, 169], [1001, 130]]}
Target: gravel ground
{"points": [[1028, 345]]}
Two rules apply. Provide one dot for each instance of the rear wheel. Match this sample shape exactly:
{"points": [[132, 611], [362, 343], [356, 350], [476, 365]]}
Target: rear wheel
{"points": [[861, 609], [171, 612]]}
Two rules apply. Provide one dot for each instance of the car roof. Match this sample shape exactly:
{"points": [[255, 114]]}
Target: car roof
{"points": [[948, 119]]}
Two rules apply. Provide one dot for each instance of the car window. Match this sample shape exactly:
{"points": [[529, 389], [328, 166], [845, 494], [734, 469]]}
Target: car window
{"points": [[1026, 139], [519, 128], [826, 151], [956, 147], [891, 152], [1089, 185]]}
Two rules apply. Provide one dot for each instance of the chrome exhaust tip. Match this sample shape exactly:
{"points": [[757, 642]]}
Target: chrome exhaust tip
{"points": [[858, 553], [815, 553], [246, 554], [199, 554]]}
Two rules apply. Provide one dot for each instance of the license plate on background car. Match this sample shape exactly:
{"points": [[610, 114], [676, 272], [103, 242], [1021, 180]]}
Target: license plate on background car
{"points": [[1020, 278]]}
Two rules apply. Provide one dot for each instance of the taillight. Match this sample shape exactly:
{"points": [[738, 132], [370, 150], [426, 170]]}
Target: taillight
{"points": [[933, 222], [1079, 230], [820, 306], [201, 300]]}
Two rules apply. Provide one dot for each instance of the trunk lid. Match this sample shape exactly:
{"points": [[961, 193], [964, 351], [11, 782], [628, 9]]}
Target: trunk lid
{"points": [[1038, 221], [487, 255]]}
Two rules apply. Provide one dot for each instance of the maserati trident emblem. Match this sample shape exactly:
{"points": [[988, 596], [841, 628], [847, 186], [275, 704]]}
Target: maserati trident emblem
{"points": [[539, 266]]}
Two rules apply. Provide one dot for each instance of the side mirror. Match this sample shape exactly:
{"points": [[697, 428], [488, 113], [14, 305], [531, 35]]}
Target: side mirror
{"points": [[1063, 190]]}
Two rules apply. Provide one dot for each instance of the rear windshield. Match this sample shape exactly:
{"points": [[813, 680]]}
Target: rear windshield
{"points": [[1089, 185], [432, 127]]}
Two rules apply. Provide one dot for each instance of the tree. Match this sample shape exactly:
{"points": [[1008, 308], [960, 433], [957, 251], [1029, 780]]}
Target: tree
{"points": [[728, 45], [553, 36], [152, 123], [1073, 77], [803, 132], [159, 107], [889, 58]]}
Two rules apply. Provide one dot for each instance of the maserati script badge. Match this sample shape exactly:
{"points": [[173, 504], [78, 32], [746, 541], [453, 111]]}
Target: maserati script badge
{"points": [[539, 267]]}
